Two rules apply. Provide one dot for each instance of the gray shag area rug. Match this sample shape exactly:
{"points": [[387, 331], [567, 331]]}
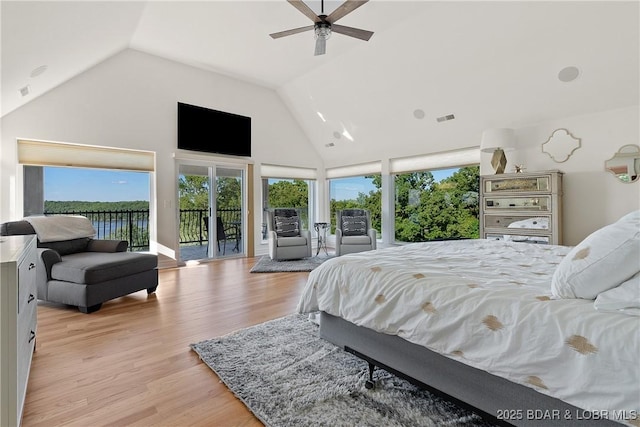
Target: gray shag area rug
{"points": [[267, 265], [288, 376]]}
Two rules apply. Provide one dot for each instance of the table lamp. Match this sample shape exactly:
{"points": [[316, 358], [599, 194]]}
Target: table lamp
{"points": [[497, 141]]}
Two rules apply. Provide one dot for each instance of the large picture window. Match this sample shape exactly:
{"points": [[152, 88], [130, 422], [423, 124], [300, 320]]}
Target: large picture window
{"points": [[437, 204], [356, 192], [287, 193]]}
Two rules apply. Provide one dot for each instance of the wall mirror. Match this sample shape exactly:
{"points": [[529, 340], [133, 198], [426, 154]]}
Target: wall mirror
{"points": [[625, 164], [560, 145]]}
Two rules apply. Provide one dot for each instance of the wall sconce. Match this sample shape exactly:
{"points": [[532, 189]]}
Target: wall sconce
{"points": [[497, 141]]}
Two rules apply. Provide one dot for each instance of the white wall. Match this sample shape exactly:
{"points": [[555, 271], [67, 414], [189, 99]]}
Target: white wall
{"points": [[129, 101], [592, 197]]}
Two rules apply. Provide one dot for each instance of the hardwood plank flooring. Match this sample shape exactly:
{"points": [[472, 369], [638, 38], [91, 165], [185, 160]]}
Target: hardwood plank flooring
{"points": [[129, 364]]}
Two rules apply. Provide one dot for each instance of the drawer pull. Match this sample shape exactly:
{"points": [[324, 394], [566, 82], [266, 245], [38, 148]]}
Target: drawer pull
{"points": [[31, 298], [32, 336], [32, 266]]}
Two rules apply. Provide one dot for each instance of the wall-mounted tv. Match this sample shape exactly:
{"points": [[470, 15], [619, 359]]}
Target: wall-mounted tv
{"points": [[211, 131]]}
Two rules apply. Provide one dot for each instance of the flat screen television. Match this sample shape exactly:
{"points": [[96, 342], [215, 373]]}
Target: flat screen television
{"points": [[211, 131]]}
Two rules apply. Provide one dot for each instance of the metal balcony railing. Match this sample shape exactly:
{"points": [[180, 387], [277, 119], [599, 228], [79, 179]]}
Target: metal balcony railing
{"points": [[133, 226]]}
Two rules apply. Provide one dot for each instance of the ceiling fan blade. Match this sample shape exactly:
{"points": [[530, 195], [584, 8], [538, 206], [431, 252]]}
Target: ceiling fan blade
{"points": [[291, 32], [352, 32], [306, 10], [321, 46], [347, 7]]}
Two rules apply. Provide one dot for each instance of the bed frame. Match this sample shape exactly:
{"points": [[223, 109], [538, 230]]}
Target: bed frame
{"points": [[494, 398]]}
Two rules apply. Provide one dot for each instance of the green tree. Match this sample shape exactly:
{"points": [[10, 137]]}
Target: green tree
{"points": [[429, 210], [288, 194], [194, 191]]}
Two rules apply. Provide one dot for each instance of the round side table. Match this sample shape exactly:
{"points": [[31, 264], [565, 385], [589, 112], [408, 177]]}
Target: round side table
{"points": [[321, 230]]}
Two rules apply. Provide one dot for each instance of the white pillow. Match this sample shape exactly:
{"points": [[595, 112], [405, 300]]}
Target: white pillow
{"points": [[602, 261], [622, 299], [631, 216]]}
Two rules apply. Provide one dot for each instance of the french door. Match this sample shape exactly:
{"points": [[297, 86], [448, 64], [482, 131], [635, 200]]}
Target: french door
{"points": [[211, 219]]}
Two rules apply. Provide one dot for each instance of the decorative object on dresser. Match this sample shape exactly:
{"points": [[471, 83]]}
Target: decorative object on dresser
{"points": [[561, 145], [18, 311], [75, 269], [625, 164], [522, 207], [497, 141]]}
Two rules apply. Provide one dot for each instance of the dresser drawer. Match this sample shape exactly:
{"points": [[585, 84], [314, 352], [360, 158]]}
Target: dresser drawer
{"points": [[27, 329], [518, 238], [532, 222], [519, 203], [27, 280], [519, 184]]}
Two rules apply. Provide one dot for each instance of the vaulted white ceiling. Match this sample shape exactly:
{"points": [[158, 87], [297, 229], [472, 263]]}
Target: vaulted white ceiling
{"points": [[488, 63]]}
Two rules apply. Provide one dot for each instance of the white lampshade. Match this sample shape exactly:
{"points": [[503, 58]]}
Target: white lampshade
{"points": [[493, 139]]}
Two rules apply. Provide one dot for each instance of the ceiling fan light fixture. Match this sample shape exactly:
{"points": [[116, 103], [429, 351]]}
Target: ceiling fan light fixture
{"points": [[323, 31]]}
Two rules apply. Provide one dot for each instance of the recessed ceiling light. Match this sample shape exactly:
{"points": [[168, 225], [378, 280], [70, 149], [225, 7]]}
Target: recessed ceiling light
{"points": [[418, 114], [37, 71], [568, 74], [337, 135]]}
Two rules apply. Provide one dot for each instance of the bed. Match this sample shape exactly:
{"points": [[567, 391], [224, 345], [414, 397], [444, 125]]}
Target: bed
{"points": [[489, 325]]}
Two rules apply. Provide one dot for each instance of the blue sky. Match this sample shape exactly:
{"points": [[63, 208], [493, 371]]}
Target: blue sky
{"points": [[94, 185]]}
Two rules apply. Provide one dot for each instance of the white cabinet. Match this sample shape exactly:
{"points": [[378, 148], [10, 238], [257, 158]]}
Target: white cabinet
{"points": [[522, 207], [18, 316]]}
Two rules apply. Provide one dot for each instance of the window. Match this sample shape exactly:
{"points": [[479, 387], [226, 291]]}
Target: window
{"points": [[356, 192], [116, 202], [437, 204], [287, 193]]}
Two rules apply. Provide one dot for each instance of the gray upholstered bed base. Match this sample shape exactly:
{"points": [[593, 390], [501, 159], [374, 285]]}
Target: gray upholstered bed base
{"points": [[487, 394]]}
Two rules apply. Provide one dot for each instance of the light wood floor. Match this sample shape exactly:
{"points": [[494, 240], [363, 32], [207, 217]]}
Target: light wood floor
{"points": [[130, 362]]}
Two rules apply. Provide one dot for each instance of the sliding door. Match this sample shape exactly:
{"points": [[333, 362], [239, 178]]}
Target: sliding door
{"points": [[211, 210]]}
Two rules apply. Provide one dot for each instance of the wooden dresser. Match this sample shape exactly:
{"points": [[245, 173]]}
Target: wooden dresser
{"points": [[522, 207], [18, 316]]}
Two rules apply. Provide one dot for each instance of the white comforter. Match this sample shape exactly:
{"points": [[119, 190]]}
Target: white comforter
{"points": [[488, 304]]}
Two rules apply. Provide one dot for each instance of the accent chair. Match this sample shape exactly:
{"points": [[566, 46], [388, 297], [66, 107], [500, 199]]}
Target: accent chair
{"points": [[354, 232], [287, 240]]}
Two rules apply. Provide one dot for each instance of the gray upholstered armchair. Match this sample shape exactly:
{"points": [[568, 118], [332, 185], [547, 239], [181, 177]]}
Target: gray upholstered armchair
{"points": [[354, 232], [286, 238]]}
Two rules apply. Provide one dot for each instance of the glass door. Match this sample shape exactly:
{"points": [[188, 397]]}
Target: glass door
{"points": [[203, 235], [229, 200]]}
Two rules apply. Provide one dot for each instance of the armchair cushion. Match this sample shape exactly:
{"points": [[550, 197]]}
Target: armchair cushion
{"points": [[291, 241], [354, 225], [356, 240], [287, 226]]}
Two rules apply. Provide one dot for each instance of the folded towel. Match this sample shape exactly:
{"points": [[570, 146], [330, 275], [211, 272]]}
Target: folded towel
{"points": [[58, 227]]}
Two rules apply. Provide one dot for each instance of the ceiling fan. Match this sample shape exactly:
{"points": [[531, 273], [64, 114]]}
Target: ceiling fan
{"points": [[324, 25]]}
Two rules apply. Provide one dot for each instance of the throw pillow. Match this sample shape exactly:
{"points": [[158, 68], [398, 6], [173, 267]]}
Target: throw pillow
{"points": [[602, 261], [622, 299], [354, 225], [287, 226]]}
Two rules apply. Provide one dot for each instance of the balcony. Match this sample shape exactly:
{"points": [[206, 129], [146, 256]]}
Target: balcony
{"points": [[133, 226]]}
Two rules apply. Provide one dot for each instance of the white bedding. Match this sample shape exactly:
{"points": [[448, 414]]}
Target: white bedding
{"points": [[488, 304]]}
